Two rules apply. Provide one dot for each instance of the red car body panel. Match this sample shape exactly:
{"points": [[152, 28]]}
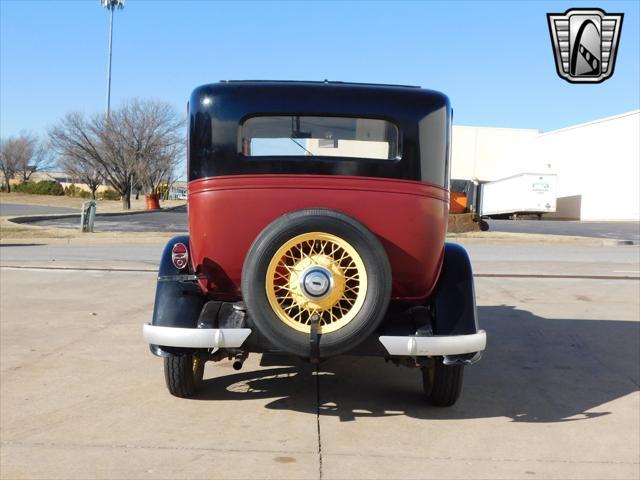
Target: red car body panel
{"points": [[226, 214]]}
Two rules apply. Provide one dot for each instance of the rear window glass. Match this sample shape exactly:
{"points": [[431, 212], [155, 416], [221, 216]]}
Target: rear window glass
{"points": [[301, 136]]}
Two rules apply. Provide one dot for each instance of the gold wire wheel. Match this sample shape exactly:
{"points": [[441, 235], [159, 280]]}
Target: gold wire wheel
{"points": [[316, 273]]}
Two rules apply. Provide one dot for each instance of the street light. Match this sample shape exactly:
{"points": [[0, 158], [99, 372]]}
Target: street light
{"points": [[110, 5]]}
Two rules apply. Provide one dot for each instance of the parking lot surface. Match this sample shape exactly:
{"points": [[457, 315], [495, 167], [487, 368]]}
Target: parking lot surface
{"points": [[613, 230], [174, 220], [12, 209], [555, 396]]}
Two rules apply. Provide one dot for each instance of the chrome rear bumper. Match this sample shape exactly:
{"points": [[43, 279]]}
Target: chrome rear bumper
{"points": [[413, 346], [195, 337], [435, 346]]}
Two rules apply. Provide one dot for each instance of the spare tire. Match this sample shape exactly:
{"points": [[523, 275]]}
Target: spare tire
{"points": [[319, 262]]}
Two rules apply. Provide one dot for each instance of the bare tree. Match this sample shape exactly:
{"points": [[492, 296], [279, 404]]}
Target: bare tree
{"points": [[22, 156], [8, 162], [77, 143], [35, 158], [159, 171], [151, 133], [83, 170], [73, 155], [129, 143]]}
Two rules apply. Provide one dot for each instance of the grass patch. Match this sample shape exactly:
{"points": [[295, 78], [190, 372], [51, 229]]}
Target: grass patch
{"points": [[13, 229]]}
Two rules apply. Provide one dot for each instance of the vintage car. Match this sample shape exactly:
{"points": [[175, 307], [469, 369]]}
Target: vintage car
{"points": [[317, 221]]}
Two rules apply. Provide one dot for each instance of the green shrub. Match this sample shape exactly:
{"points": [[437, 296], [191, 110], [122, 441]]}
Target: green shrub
{"points": [[109, 195], [25, 187], [49, 187], [45, 187], [73, 191]]}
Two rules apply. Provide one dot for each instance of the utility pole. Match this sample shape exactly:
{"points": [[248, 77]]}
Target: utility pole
{"points": [[111, 5]]}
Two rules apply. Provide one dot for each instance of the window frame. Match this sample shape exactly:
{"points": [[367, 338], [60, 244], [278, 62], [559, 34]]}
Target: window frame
{"points": [[395, 159]]}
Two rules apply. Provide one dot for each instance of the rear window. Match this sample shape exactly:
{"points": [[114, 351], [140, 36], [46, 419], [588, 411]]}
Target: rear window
{"points": [[301, 136]]}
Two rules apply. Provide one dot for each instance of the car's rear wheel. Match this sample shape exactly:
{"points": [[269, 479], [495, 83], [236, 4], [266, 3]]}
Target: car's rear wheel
{"points": [[183, 374], [442, 383], [316, 264]]}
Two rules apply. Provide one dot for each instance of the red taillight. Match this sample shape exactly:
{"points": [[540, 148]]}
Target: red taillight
{"points": [[180, 255]]}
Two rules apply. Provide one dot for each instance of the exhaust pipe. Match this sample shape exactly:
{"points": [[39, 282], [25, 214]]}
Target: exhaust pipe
{"points": [[239, 360]]}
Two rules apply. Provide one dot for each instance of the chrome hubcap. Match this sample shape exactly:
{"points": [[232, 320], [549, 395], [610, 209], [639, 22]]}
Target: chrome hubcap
{"points": [[316, 282]]}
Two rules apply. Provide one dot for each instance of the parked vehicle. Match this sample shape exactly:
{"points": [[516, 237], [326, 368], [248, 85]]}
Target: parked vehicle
{"points": [[523, 194], [317, 221]]}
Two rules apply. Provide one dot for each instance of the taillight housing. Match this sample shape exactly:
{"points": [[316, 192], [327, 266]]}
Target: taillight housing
{"points": [[180, 255]]}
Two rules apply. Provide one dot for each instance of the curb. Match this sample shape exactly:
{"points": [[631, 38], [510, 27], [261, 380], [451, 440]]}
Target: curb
{"points": [[100, 238]]}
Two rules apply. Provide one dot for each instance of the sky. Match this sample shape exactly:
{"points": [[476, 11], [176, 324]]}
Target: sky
{"points": [[493, 59]]}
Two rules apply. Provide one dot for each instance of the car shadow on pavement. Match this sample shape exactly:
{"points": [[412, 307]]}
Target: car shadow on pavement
{"points": [[534, 370]]}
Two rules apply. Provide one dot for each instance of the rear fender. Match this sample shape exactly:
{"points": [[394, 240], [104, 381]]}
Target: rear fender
{"points": [[179, 300], [454, 300]]}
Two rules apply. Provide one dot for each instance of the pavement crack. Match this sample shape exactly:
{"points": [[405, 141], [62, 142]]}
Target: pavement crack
{"points": [[318, 422]]}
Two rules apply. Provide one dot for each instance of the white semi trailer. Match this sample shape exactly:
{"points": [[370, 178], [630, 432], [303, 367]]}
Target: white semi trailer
{"points": [[525, 193]]}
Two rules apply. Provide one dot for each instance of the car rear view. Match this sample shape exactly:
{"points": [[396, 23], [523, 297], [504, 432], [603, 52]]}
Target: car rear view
{"points": [[317, 222]]}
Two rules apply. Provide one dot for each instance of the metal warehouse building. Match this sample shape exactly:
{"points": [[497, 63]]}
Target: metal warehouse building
{"points": [[597, 163]]}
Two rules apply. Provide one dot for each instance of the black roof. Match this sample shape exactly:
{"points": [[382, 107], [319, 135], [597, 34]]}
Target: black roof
{"points": [[218, 109], [312, 96], [237, 100], [325, 82]]}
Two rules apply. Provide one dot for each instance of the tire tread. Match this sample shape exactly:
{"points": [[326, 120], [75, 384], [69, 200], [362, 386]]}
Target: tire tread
{"points": [[178, 374], [447, 384]]}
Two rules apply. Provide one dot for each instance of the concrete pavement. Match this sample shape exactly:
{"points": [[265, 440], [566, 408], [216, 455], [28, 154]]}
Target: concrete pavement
{"points": [[555, 396], [487, 257], [131, 256], [552, 259]]}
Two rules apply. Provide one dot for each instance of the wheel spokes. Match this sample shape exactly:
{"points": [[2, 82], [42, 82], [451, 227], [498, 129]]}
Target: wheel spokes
{"points": [[293, 304]]}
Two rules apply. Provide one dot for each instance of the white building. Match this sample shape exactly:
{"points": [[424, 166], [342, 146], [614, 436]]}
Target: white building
{"points": [[597, 163]]}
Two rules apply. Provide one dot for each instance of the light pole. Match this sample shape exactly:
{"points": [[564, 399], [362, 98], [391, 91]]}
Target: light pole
{"points": [[111, 5]]}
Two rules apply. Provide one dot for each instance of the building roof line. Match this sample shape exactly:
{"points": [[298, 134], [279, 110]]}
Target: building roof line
{"points": [[536, 130], [550, 132], [592, 122]]}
